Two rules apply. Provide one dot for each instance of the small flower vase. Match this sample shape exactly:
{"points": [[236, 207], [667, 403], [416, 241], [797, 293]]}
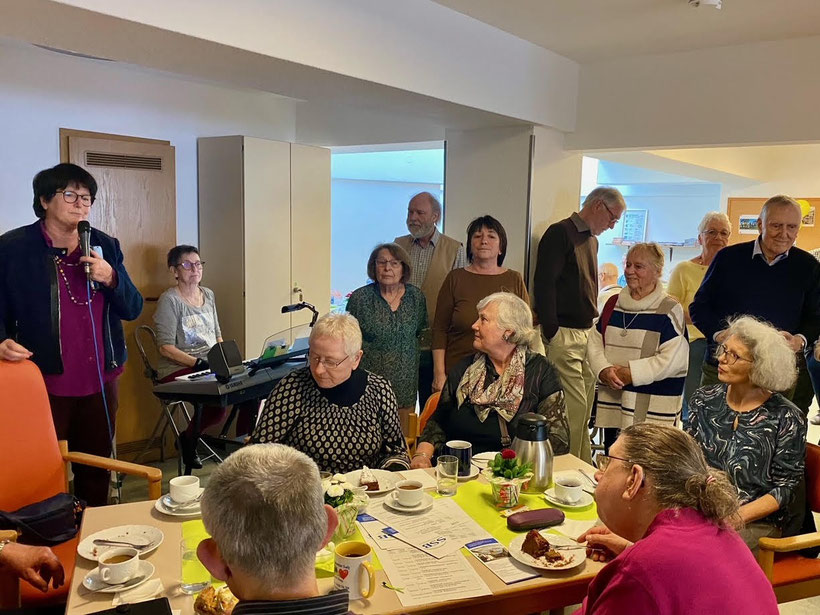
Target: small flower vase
{"points": [[347, 521], [507, 491]]}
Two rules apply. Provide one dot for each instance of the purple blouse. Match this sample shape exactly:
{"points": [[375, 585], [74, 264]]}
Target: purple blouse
{"points": [[80, 376]]}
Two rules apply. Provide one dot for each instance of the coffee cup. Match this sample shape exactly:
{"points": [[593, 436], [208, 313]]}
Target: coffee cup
{"points": [[118, 565], [409, 492], [463, 450], [351, 566], [184, 488], [568, 488]]}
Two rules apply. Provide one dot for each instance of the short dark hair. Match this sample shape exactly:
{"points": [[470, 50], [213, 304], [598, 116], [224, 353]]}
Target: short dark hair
{"points": [[48, 181], [176, 253], [398, 253], [492, 224]]}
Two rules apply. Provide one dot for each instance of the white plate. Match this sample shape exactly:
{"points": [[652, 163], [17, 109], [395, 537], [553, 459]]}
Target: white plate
{"points": [[585, 500], [482, 460], [392, 501], [129, 533], [387, 480], [161, 506], [94, 583], [473, 473], [572, 557]]}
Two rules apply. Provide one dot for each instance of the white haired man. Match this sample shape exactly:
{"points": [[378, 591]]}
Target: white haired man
{"points": [[432, 257], [264, 509], [565, 292], [607, 283], [769, 278]]}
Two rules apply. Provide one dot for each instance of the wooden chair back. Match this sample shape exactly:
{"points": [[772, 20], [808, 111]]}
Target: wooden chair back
{"points": [[429, 409]]}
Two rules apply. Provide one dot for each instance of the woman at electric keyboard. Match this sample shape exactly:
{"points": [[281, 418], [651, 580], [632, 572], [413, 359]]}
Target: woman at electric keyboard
{"points": [[340, 415], [187, 327]]}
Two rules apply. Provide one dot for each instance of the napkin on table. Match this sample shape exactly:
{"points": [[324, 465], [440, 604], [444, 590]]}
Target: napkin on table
{"points": [[147, 591]]}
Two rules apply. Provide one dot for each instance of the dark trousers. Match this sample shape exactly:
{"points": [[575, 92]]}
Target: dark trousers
{"points": [[813, 366], [425, 377], [81, 421]]}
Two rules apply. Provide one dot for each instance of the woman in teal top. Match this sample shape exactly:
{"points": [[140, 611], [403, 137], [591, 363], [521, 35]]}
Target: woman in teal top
{"points": [[391, 314]]}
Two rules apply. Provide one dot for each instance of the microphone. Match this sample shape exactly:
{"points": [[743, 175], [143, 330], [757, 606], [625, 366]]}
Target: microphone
{"points": [[84, 229]]}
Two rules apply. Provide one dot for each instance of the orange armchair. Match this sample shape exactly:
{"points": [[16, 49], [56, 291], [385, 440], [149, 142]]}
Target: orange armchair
{"points": [[35, 464], [429, 409], [793, 576]]}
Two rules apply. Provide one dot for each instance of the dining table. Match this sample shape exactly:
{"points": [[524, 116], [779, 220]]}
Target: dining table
{"points": [[549, 591]]}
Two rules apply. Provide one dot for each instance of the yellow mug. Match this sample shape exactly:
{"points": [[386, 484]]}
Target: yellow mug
{"points": [[352, 560]]}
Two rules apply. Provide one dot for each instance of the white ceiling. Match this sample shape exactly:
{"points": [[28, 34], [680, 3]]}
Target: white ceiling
{"points": [[596, 30]]}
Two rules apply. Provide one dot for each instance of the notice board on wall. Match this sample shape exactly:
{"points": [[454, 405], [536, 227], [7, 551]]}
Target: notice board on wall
{"points": [[743, 213]]}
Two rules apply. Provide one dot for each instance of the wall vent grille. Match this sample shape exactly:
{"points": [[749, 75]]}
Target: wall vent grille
{"points": [[123, 161]]}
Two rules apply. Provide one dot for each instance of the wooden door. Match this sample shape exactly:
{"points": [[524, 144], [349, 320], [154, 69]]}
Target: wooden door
{"points": [[136, 203]]}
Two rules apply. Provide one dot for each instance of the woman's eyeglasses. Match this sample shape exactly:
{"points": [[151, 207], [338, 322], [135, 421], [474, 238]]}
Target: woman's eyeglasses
{"points": [[189, 266], [603, 461], [713, 233], [731, 357], [326, 363], [385, 263], [71, 197]]}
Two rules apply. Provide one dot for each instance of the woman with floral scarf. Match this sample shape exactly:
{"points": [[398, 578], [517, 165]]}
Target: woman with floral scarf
{"points": [[486, 393]]}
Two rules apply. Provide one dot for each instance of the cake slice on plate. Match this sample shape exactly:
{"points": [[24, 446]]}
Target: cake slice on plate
{"points": [[368, 480]]}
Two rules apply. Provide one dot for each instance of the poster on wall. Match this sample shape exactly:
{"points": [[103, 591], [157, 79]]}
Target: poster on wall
{"points": [[748, 224], [808, 219], [634, 228]]}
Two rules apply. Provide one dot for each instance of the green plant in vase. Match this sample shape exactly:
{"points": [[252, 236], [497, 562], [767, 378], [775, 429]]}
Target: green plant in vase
{"points": [[507, 476], [347, 500]]}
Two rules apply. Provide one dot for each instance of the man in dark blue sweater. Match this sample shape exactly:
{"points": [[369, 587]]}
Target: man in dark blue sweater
{"points": [[768, 278]]}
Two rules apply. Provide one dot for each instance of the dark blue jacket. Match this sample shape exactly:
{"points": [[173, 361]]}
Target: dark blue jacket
{"points": [[30, 304]]}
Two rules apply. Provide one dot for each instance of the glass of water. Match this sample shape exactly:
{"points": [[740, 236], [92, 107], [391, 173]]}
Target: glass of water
{"points": [[447, 475], [195, 577]]}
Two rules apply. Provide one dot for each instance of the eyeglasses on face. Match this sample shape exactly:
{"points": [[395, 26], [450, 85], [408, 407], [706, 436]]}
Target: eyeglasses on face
{"points": [[612, 216], [326, 363], [71, 197], [189, 266], [712, 233], [603, 461], [388, 263], [731, 357]]}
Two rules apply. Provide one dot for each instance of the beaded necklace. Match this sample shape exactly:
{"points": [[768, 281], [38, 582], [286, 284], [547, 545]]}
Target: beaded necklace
{"points": [[59, 263]]}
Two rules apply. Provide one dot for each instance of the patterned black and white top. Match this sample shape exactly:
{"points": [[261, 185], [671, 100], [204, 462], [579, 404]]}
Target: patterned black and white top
{"points": [[765, 455], [338, 438]]}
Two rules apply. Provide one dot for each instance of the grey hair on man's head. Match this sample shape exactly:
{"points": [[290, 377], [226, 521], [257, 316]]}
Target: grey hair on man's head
{"points": [[339, 325], [610, 196], [434, 202], [774, 365], [712, 216], [264, 508], [779, 200], [513, 314]]}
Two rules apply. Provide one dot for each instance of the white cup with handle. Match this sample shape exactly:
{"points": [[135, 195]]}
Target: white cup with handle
{"points": [[184, 488], [119, 565]]}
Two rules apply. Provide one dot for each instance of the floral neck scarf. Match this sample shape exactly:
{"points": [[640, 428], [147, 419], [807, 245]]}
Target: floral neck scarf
{"points": [[502, 396]]}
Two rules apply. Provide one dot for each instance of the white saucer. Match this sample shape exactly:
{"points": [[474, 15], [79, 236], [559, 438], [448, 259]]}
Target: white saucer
{"points": [[94, 583], [138, 534], [391, 501], [162, 505], [473, 473], [585, 500], [482, 460]]}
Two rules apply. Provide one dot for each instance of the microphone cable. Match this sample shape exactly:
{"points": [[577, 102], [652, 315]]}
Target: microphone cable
{"points": [[102, 386]]}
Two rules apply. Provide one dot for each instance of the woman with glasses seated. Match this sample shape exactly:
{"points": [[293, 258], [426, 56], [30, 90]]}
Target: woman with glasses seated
{"points": [[669, 521], [713, 235], [187, 327], [749, 430], [391, 314], [340, 415]]}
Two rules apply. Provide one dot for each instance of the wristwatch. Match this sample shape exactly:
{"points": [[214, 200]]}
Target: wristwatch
{"points": [[3, 544]]}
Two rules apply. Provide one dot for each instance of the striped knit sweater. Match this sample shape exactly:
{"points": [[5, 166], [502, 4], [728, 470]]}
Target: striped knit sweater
{"points": [[648, 335]]}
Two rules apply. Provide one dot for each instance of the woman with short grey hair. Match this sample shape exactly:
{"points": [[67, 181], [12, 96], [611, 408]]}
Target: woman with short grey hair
{"points": [[751, 431], [340, 415], [714, 231], [392, 315], [486, 393]]}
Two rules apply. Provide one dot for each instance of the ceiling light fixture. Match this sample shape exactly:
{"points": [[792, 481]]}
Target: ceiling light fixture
{"points": [[715, 3]]}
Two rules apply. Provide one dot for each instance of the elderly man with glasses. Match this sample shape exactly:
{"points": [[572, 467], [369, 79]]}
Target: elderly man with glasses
{"points": [[340, 415], [565, 292]]}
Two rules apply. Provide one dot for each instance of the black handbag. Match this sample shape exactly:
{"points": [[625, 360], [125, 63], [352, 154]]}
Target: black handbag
{"points": [[49, 522]]}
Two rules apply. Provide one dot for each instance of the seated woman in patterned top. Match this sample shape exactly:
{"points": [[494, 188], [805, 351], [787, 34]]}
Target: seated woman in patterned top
{"points": [[748, 430], [485, 393], [341, 416]]}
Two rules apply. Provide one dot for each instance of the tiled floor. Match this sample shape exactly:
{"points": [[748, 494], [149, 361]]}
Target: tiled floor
{"points": [[133, 490]]}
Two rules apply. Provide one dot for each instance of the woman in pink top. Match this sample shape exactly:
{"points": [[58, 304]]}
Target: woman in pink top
{"points": [[668, 520]]}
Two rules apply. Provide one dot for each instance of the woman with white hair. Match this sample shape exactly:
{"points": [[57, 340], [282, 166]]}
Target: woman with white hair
{"points": [[713, 235], [748, 429], [485, 393], [638, 349], [341, 416]]}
